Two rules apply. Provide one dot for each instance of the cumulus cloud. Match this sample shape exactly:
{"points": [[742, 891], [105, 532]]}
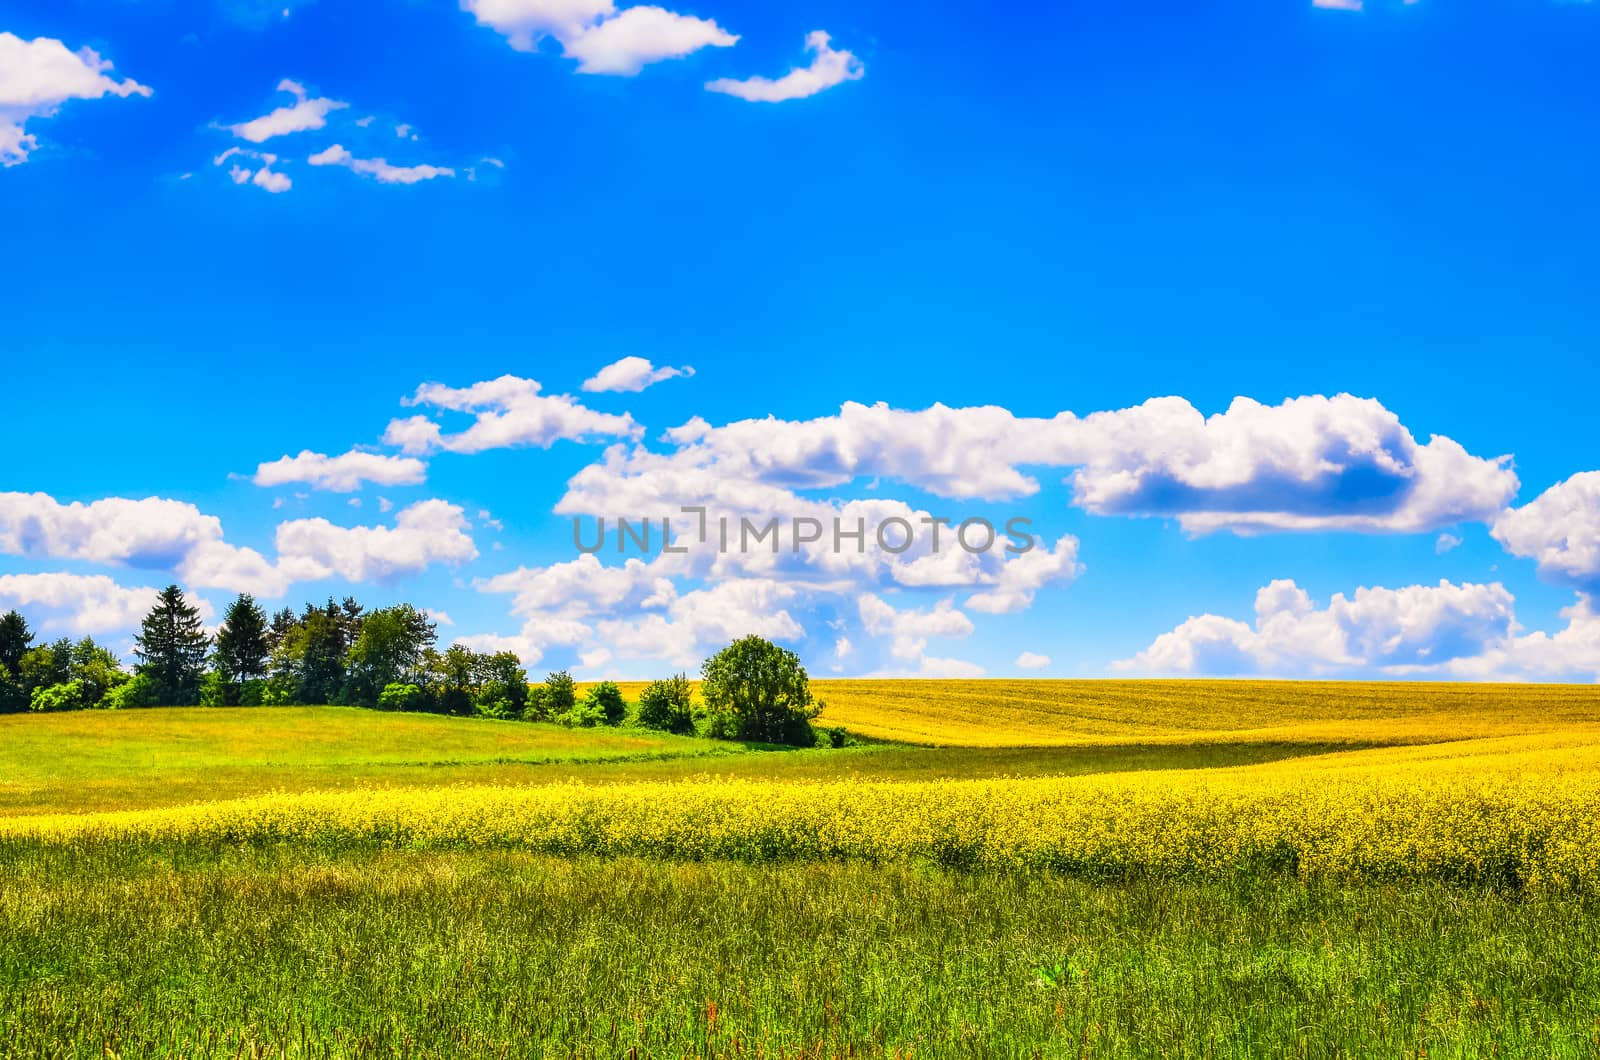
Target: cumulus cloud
{"points": [[631, 375], [508, 412], [82, 604], [1029, 660], [428, 532], [699, 622], [344, 473], [378, 169], [160, 534], [1560, 529], [1310, 463], [603, 40], [525, 22], [828, 68], [37, 76], [908, 631], [152, 533], [1418, 629], [303, 115], [639, 35]]}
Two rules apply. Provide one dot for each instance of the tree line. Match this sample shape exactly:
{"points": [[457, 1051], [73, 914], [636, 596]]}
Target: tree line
{"points": [[385, 659]]}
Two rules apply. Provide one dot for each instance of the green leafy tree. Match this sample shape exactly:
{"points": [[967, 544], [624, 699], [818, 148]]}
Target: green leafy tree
{"points": [[242, 646], [668, 705], [755, 690], [503, 688], [456, 675], [537, 708], [389, 649], [95, 668], [605, 700], [15, 641], [560, 694], [171, 645], [47, 665]]}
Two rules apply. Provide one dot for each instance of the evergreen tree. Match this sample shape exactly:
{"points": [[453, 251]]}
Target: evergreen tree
{"points": [[283, 624], [242, 649], [319, 646], [171, 646], [15, 640]]}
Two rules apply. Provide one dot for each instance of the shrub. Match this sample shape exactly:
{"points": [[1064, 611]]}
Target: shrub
{"points": [[140, 691], [217, 691], [396, 696], [584, 715], [66, 696], [755, 690], [537, 708], [667, 705], [606, 698], [837, 737], [253, 693]]}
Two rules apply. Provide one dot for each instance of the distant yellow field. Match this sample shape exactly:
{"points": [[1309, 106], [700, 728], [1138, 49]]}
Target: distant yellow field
{"points": [[1035, 713]]}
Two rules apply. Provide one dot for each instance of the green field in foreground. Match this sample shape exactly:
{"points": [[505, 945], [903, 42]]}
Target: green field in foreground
{"points": [[483, 954], [279, 948]]}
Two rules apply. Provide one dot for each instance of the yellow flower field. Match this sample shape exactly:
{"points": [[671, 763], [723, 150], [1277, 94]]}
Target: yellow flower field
{"points": [[1523, 810]]}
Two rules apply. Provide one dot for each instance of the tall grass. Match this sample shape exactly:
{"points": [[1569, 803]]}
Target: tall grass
{"points": [[290, 954]]}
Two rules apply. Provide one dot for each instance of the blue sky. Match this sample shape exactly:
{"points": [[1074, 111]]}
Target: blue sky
{"points": [[1071, 209]]}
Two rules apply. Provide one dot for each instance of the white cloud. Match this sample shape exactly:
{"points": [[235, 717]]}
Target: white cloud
{"points": [[1418, 629], [428, 532], [378, 169], [1022, 575], [603, 40], [1311, 463], [509, 411], [303, 115], [153, 533], [631, 375], [441, 618], [344, 473], [525, 22], [264, 177], [1560, 529], [639, 35], [909, 631], [1339, 5], [1446, 543], [1029, 660], [82, 604], [828, 68], [699, 622], [37, 77]]}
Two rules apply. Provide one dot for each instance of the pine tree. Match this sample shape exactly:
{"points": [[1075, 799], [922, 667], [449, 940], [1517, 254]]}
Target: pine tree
{"points": [[241, 650], [15, 640], [171, 646]]}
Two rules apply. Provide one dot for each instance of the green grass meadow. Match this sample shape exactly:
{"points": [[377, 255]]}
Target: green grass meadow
{"points": [[197, 950]]}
